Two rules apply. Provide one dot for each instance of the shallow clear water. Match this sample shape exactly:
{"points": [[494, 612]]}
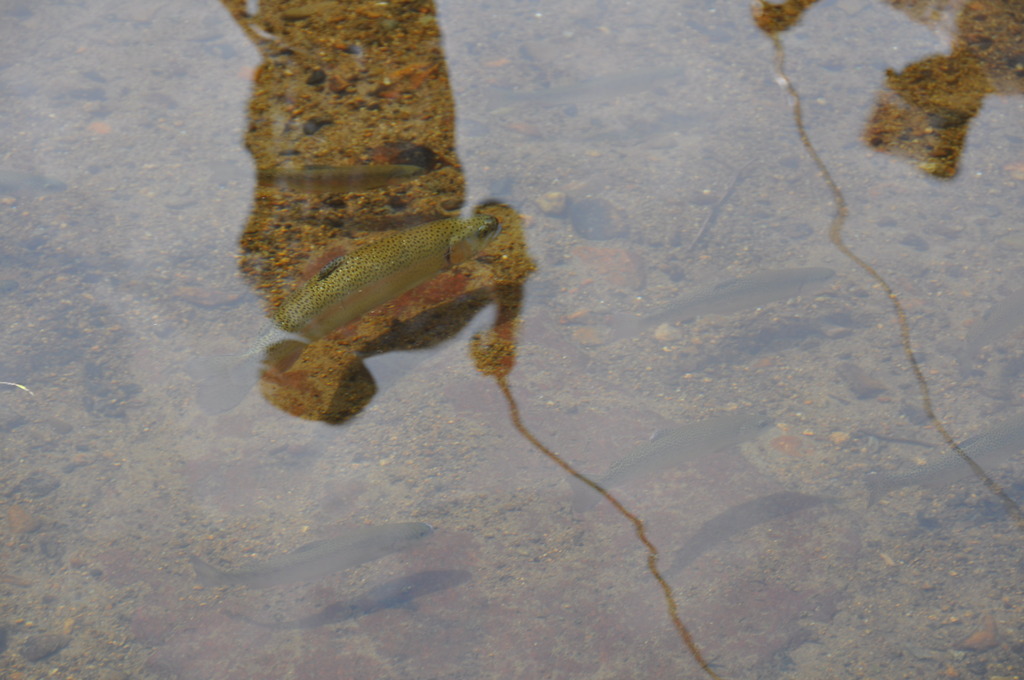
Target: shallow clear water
{"points": [[650, 152]]}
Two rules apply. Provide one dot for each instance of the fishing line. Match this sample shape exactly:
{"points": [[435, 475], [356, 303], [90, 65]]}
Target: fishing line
{"points": [[638, 527], [835, 234], [494, 355]]}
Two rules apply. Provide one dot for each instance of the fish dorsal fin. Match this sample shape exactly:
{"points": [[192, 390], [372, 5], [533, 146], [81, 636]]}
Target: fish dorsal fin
{"points": [[330, 268]]}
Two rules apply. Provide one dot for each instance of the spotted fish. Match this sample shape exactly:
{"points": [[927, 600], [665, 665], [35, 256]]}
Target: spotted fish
{"points": [[342, 291], [356, 546]]}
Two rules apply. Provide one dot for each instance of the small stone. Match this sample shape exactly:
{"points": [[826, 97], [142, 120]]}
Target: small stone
{"points": [[839, 438], [21, 521], [552, 203], [985, 638], [860, 382], [666, 332], [337, 84], [590, 336], [316, 77], [616, 267], [38, 647]]}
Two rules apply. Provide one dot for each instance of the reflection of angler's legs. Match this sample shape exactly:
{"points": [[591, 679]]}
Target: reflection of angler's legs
{"points": [[355, 86], [352, 133]]}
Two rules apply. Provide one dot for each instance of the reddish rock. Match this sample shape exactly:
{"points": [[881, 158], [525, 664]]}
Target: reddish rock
{"points": [[614, 266]]}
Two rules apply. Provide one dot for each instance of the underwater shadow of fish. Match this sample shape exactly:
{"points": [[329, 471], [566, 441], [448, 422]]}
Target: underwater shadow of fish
{"points": [[399, 593]]}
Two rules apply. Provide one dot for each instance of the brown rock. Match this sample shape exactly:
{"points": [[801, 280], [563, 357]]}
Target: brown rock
{"points": [[615, 266], [985, 638], [21, 521], [38, 647], [590, 336], [861, 383]]}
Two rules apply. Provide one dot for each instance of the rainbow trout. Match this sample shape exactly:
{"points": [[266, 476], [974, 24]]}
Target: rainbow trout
{"points": [[991, 447], [345, 289], [671, 447], [319, 558]]}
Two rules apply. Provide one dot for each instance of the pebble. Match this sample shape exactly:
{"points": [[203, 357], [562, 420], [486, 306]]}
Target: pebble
{"points": [[789, 444], [21, 521], [617, 267], [985, 638], [552, 203], [38, 647], [666, 332], [861, 383], [590, 336]]}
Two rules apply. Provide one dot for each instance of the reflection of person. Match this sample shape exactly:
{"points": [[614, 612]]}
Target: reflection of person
{"points": [[351, 127], [924, 111]]}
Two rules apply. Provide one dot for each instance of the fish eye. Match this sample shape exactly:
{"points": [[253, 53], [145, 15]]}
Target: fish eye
{"points": [[490, 228]]}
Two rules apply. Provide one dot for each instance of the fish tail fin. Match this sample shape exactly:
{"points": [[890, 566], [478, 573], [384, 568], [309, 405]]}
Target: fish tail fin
{"points": [[224, 380], [206, 573], [584, 496]]}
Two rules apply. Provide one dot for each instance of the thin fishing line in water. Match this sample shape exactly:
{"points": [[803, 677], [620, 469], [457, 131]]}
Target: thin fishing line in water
{"points": [[638, 526], [835, 233]]}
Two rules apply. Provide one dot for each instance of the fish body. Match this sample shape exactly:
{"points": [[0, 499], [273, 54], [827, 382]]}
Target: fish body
{"points": [[991, 447], [744, 293], [342, 291], [672, 447], [319, 558], [738, 519], [333, 179]]}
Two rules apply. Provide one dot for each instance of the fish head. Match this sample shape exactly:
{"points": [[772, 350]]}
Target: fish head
{"points": [[472, 237]]}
